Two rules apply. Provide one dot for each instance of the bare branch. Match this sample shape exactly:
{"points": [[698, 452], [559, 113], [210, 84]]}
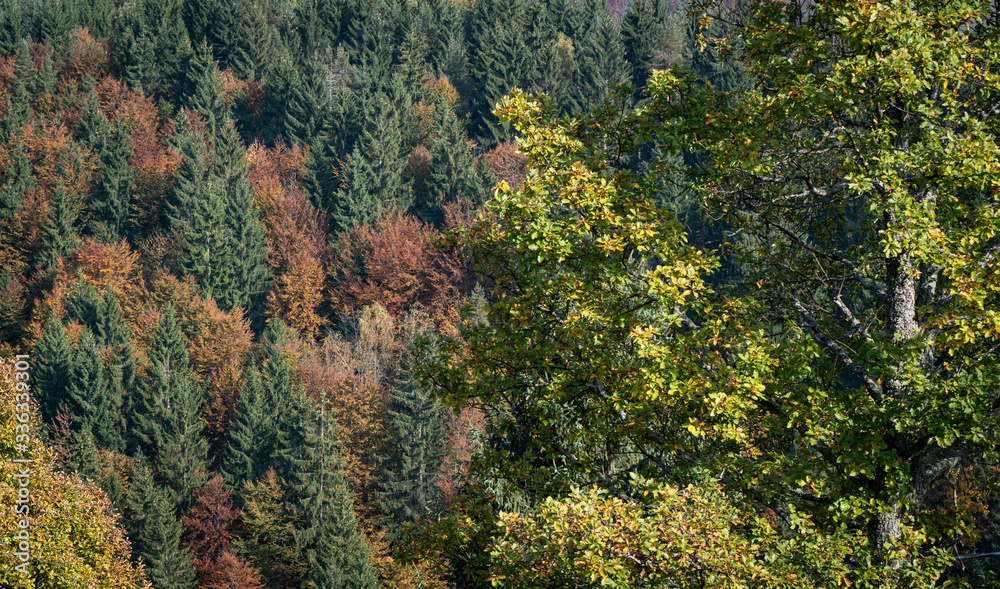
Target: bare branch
{"points": [[872, 387]]}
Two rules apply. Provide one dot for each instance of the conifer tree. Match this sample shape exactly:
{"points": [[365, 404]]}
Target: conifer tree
{"points": [[643, 29], [19, 180], [453, 169], [135, 59], [120, 373], [335, 550], [81, 455], [93, 128], [54, 360], [122, 389], [13, 26], [308, 107], [86, 382], [602, 63], [251, 434], [247, 245], [207, 254], [172, 44], [268, 534], [307, 124], [198, 17], [344, 122], [266, 430], [413, 59], [721, 68], [191, 186], [82, 303], [314, 33], [356, 200], [502, 59], [454, 61], [60, 236], [98, 16], [373, 180], [111, 328], [369, 36], [182, 458], [20, 96], [208, 98], [155, 532], [109, 206], [94, 407], [169, 420], [407, 487], [52, 20], [556, 70], [243, 39], [170, 379]]}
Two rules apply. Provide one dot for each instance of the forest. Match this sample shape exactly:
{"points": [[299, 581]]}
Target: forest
{"points": [[314, 294]]}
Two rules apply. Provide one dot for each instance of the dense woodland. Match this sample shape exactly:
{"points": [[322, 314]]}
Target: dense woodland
{"points": [[521, 293]]}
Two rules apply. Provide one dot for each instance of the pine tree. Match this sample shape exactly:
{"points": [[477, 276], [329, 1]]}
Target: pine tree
{"points": [[19, 180], [243, 39], [81, 455], [413, 60], [111, 328], [268, 534], [13, 26], [344, 120], [308, 107], [454, 62], [93, 128], [171, 378], [156, 533], [417, 441], [332, 545], [374, 180], [209, 98], [207, 254], [182, 458], [369, 36], [453, 169], [198, 17], [112, 332], [356, 200], [20, 96], [247, 244], [54, 360], [95, 412], [109, 206], [168, 423], [502, 59], [87, 399], [251, 435], [602, 63], [82, 303], [265, 427], [135, 60], [60, 237], [307, 124], [722, 69], [315, 35], [52, 20], [172, 44], [643, 31], [122, 392], [97, 16], [191, 185]]}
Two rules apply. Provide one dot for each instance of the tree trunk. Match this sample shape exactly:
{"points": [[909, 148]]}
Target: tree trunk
{"points": [[884, 530]]}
